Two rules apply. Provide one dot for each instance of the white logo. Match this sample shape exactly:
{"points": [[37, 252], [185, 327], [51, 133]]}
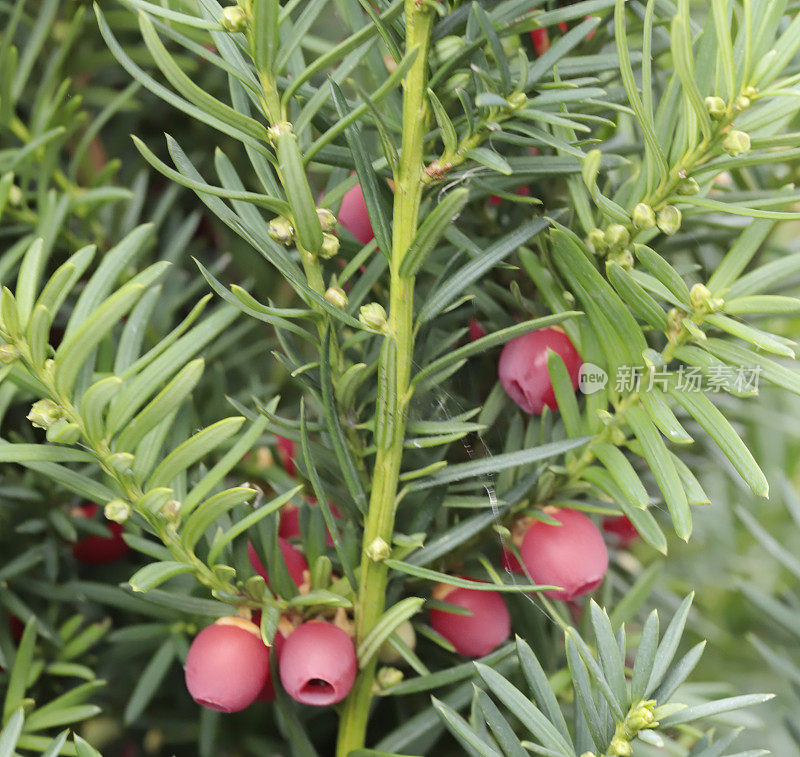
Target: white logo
{"points": [[591, 378]]}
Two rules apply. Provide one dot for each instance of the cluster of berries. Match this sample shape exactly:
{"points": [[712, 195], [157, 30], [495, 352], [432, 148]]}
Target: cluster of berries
{"points": [[228, 665]]}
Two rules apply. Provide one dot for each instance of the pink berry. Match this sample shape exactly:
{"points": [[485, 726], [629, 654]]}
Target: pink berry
{"points": [[293, 558], [318, 664], [622, 529], [286, 453], [478, 634], [353, 215], [227, 665], [523, 368], [572, 555], [98, 550]]}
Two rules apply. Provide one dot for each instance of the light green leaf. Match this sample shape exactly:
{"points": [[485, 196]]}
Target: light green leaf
{"points": [[660, 461], [431, 231], [193, 449], [156, 573], [208, 512], [167, 400], [720, 430]]}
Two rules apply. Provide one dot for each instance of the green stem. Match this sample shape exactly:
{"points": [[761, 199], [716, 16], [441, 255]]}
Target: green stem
{"points": [[394, 374]]}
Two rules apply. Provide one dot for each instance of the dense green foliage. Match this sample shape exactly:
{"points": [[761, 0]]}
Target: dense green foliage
{"points": [[172, 306]]}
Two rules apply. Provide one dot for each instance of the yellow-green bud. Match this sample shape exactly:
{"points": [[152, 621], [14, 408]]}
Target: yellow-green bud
{"points": [[279, 129], [117, 510], [596, 241], [337, 297], [373, 316], [330, 246], [517, 101], [641, 720], [687, 186], [8, 354], [701, 299], [44, 413], [121, 462], [281, 230], [15, 195], [750, 91], [675, 323], [388, 677], [716, 108], [623, 258], [171, 509], [736, 143], [388, 654], [378, 549], [63, 432], [617, 236], [669, 219], [644, 217], [742, 102], [699, 296], [234, 19], [225, 573], [619, 748], [326, 219]]}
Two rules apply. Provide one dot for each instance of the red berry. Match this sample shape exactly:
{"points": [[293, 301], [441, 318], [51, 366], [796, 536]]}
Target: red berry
{"points": [[353, 215], [293, 558], [98, 550], [572, 555], [478, 634], [510, 562], [227, 665], [622, 529], [289, 525], [286, 453], [476, 331], [318, 664], [16, 626], [541, 41], [523, 368]]}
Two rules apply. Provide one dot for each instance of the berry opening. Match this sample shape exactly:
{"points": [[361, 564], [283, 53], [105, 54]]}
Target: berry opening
{"points": [[582, 589], [212, 705], [317, 691]]}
